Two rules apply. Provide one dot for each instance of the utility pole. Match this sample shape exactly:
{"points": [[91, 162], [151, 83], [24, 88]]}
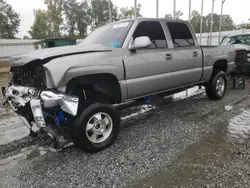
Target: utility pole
{"points": [[189, 13], [201, 22], [110, 12], [174, 10], [212, 22], [157, 8], [222, 3], [135, 9]]}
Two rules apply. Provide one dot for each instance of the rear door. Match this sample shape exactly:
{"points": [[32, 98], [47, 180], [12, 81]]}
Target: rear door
{"points": [[186, 54]]}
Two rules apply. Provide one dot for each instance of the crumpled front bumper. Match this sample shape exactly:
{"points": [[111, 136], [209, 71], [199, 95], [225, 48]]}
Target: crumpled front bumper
{"points": [[20, 96]]}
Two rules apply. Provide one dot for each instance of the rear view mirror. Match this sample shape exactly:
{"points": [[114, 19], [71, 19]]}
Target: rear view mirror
{"points": [[140, 42]]}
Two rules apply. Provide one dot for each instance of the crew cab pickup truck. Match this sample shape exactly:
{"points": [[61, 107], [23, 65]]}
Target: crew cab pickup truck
{"points": [[74, 88], [241, 43]]}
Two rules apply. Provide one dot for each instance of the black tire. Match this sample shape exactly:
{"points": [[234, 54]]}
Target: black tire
{"points": [[78, 131], [211, 90]]}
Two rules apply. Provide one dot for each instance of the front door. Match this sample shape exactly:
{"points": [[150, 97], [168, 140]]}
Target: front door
{"points": [[144, 66]]}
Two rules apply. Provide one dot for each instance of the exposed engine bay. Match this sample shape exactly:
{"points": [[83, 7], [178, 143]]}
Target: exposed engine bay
{"points": [[31, 76], [45, 110]]}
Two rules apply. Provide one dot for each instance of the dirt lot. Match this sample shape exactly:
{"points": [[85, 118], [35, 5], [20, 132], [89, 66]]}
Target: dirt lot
{"points": [[178, 142]]}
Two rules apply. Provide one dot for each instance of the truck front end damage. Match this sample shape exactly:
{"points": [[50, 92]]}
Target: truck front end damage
{"points": [[44, 109]]}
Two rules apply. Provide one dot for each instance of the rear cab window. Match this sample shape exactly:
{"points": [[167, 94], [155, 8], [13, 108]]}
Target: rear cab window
{"points": [[181, 34]]}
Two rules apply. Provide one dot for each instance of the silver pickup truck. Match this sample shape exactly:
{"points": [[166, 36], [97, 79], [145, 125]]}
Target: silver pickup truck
{"points": [[69, 92]]}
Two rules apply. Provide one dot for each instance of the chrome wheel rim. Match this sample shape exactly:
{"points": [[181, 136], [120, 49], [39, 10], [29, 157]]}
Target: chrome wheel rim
{"points": [[99, 127], [220, 85]]}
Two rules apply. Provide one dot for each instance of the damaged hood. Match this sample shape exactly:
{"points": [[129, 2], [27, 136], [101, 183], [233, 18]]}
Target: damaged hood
{"points": [[51, 53]]}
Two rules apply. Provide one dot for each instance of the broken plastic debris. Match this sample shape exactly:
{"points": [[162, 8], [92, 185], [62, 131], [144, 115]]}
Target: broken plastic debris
{"points": [[229, 107]]}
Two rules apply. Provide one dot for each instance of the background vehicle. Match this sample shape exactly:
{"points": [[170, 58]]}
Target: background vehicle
{"points": [[242, 46], [117, 62]]}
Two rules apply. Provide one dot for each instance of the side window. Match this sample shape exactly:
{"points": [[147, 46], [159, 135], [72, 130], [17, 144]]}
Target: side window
{"points": [[180, 34], [154, 31]]}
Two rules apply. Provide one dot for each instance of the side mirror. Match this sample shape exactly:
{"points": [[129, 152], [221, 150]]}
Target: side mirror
{"points": [[140, 42]]}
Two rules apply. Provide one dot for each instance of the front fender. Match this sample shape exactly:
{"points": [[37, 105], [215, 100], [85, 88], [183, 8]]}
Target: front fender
{"points": [[61, 70]]}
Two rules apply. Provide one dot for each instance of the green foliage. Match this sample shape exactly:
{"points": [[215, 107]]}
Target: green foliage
{"points": [[54, 15], [40, 28], [9, 21], [168, 17], [70, 11], [127, 13], [75, 18], [78, 18], [100, 12], [195, 21], [48, 22], [178, 15], [246, 25], [227, 23]]}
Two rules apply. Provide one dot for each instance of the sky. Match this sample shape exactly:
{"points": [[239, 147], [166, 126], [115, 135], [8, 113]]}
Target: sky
{"points": [[238, 9]]}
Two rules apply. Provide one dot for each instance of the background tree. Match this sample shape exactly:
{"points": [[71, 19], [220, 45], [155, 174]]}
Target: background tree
{"points": [[70, 8], [55, 16], [127, 13], [3, 6], [100, 12], [178, 15], [40, 28], [245, 25], [226, 25], [83, 19], [168, 17], [78, 17], [9, 21], [195, 21]]}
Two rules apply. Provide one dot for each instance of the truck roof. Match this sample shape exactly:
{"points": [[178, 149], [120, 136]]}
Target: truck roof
{"points": [[151, 19]]}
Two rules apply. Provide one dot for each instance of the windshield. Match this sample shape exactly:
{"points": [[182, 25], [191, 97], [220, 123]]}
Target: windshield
{"points": [[112, 35], [241, 39]]}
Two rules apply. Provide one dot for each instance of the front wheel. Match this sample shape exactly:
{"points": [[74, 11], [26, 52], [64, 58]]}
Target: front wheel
{"points": [[217, 86], [96, 128]]}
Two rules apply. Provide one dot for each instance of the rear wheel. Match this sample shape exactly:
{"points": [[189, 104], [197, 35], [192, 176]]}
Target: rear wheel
{"points": [[96, 128], [217, 86]]}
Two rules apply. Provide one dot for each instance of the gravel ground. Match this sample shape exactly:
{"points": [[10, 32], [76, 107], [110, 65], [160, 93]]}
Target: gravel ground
{"points": [[160, 147]]}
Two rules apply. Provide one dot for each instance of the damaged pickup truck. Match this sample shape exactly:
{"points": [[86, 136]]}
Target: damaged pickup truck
{"points": [[70, 92]]}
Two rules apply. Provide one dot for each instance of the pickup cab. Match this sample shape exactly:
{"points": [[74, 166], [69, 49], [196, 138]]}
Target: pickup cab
{"points": [[76, 87]]}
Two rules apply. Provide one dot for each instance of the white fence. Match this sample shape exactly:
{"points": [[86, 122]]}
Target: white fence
{"points": [[9, 47], [215, 36]]}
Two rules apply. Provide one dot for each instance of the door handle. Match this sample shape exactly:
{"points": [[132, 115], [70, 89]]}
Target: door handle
{"points": [[168, 56], [195, 54]]}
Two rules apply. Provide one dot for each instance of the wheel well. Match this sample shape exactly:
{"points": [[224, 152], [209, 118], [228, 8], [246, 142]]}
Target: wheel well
{"points": [[220, 65], [105, 84]]}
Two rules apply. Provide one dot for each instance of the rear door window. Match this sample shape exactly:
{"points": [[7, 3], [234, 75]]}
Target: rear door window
{"points": [[181, 35]]}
